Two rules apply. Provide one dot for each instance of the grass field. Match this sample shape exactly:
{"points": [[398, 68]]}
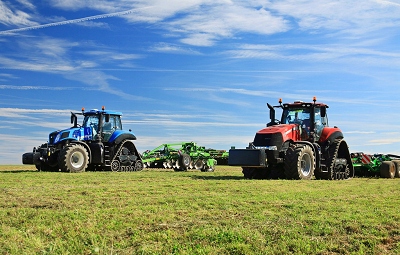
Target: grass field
{"points": [[167, 212]]}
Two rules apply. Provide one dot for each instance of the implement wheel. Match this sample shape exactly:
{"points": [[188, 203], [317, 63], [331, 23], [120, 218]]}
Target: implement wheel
{"points": [[397, 168], [387, 169], [299, 162], [199, 164], [184, 161], [73, 158]]}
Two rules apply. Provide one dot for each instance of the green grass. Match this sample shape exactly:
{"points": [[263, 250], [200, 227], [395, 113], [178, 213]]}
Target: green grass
{"points": [[166, 212]]}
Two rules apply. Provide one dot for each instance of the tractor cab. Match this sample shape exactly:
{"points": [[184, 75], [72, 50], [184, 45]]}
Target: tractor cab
{"points": [[311, 118], [102, 123], [98, 125]]}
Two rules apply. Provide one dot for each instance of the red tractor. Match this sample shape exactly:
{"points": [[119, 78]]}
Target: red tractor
{"points": [[298, 146]]}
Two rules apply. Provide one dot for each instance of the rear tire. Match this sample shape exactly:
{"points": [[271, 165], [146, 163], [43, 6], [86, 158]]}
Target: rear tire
{"points": [[299, 162], [397, 168], [387, 169], [73, 158]]}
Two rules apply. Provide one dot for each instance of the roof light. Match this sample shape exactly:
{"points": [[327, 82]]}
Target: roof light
{"points": [[280, 100], [103, 108], [314, 99], [83, 109]]}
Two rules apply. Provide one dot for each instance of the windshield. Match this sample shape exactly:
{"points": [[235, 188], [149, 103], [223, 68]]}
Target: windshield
{"points": [[295, 115], [91, 121]]}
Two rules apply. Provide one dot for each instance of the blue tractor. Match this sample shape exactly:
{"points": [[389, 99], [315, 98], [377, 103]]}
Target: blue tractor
{"points": [[98, 144]]}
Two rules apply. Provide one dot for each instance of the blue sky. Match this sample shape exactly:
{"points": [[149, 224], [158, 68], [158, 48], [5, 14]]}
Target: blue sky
{"points": [[198, 70]]}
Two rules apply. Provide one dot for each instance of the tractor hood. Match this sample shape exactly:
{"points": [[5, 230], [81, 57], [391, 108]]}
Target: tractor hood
{"points": [[276, 135], [82, 133]]}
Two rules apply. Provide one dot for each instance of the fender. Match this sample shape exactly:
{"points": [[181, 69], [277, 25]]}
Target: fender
{"points": [[86, 147], [127, 142], [119, 135], [316, 149], [330, 134]]}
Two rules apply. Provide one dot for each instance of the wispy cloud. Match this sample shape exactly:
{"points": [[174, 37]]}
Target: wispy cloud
{"points": [[211, 23], [204, 22], [340, 15], [173, 48], [65, 22], [17, 17], [48, 55], [304, 52], [106, 55], [40, 88]]}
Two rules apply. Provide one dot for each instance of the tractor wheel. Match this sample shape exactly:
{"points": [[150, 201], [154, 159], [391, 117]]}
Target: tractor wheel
{"points": [[73, 158], [184, 161], [387, 169], [397, 168], [299, 162]]}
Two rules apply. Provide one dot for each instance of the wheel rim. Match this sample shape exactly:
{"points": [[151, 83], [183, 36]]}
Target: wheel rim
{"points": [[186, 161], [306, 164], [77, 159]]}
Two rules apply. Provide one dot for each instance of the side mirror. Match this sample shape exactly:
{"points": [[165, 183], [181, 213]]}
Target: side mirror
{"points": [[74, 119], [271, 112], [323, 112], [107, 117]]}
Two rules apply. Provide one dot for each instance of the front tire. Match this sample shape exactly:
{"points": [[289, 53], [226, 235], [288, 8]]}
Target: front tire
{"points": [[299, 162], [73, 158]]}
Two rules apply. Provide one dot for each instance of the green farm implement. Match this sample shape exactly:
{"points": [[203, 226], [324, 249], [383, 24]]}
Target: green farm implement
{"points": [[220, 155], [383, 165], [180, 157]]}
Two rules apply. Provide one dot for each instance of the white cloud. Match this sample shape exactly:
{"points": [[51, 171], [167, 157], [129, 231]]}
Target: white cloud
{"points": [[108, 55], [203, 22], [37, 87], [340, 15], [48, 55], [324, 53], [27, 4], [173, 48], [15, 17]]}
